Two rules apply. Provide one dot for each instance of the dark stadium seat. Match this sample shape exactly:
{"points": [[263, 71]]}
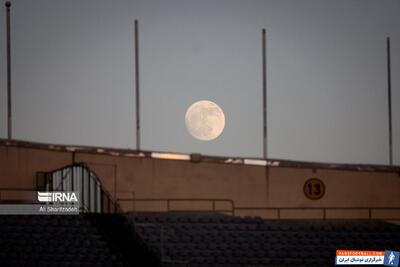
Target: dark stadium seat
{"points": [[70, 240], [221, 240], [184, 240]]}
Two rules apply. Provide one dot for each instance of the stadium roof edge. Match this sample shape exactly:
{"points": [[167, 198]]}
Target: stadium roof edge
{"points": [[197, 157]]}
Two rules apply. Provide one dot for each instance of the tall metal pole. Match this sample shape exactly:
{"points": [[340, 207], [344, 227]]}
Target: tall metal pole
{"points": [[9, 115], [389, 86], [264, 75], [137, 85], [264, 87]]}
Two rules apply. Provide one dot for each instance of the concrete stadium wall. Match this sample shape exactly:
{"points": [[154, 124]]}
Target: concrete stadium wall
{"points": [[255, 190]]}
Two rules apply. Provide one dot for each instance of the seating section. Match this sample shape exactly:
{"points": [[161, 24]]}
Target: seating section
{"points": [[178, 239], [66, 240], [123, 235], [219, 240]]}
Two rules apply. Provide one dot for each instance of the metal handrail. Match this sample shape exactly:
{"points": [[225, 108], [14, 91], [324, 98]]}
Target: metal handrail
{"points": [[117, 207], [89, 178], [235, 209], [8, 189], [65, 175], [324, 210], [92, 178], [169, 200]]}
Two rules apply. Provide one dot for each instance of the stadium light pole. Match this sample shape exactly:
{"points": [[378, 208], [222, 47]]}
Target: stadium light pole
{"points": [[137, 96], [389, 87], [8, 32], [264, 87], [264, 96]]}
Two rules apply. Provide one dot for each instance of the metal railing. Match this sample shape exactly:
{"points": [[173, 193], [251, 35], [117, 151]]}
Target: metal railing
{"points": [[168, 202], [325, 210], [93, 198], [33, 191], [233, 210], [79, 178]]}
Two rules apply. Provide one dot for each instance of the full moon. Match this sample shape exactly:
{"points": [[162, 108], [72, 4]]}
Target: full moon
{"points": [[205, 120]]}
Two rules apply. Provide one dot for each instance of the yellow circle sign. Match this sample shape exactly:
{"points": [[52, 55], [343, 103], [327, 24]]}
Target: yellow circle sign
{"points": [[314, 188]]}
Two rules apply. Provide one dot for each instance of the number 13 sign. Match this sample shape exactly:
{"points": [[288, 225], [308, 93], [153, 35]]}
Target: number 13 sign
{"points": [[314, 188]]}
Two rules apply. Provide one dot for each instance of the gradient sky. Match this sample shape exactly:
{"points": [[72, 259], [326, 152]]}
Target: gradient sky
{"points": [[73, 75]]}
